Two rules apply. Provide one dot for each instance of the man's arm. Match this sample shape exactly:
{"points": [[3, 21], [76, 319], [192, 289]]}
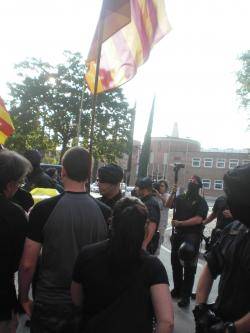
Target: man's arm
{"points": [[27, 268], [187, 223], [204, 285], [243, 324], [151, 229], [210, 218]]}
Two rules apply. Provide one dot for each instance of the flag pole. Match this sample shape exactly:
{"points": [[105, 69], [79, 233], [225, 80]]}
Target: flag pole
{"points": [[129, 164], [78, 129], [94, 100]]}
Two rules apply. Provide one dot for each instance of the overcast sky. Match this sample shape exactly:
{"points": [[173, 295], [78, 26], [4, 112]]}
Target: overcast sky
{"points": [[192, 71]]}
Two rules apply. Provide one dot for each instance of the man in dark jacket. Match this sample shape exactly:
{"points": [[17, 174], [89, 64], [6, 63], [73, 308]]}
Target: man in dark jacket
{"points": [[230, 258]]}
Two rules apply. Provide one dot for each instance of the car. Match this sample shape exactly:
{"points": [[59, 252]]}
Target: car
{"points": [[94, 187]]}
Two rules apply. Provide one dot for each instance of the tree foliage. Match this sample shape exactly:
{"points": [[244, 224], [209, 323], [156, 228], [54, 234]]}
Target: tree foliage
{"points": [[45, 109], [243, 79]]}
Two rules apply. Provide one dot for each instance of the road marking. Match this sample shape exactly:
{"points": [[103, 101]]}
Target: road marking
{"points": [[169, 251]]}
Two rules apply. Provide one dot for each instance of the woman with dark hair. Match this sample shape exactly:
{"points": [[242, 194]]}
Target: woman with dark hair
{"points": [[119, 286]]}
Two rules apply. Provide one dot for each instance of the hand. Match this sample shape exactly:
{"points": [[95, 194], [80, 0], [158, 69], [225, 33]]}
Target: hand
{"points": [[226, 213], [176, 223], [174, 189], [28, 307]]}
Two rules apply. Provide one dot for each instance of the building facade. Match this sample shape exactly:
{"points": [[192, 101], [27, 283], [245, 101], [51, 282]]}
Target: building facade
{"points": [[210, 165]]}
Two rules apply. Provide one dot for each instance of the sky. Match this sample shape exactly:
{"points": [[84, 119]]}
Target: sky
{"points": [[191, 71]]}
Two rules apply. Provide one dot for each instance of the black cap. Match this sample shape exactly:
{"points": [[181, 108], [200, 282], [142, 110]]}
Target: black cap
{"points": [[33, 156], [237, 185], [110, 173], [145, 182]]}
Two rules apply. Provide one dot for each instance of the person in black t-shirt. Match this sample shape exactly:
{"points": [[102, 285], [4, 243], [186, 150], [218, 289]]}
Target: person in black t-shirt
{"points": [[119, 286], [60, 227], [151, 240], [37, 177], [190, 210], [222, 212], [13, 224], [228, 258], [109, 178]]}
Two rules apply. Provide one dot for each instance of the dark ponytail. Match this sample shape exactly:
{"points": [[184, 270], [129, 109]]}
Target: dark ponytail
{"points": [[128, 230]]}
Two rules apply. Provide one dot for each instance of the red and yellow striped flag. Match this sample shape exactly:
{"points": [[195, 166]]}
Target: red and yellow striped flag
{"points": [[6, 125], [130, 30]]}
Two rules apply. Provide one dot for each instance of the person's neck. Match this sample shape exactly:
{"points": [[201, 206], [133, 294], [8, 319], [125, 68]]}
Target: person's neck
{"points": [[113, 194], [74, 186]]}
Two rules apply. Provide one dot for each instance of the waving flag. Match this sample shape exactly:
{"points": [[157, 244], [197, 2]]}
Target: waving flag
{"points": [[129, 30], [6, 126]]}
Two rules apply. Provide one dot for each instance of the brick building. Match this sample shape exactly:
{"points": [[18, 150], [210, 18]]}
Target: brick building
{"points": [[210, 165]]}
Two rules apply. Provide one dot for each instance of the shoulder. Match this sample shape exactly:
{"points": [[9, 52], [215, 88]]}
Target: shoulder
{"points": [[46, 204], [88, 252], [154, 269], [106, 210]]}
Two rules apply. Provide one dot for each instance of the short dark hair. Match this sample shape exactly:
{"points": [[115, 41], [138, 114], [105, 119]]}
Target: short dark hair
{"points": [[13, 167], [34, 156], [77, 163]]}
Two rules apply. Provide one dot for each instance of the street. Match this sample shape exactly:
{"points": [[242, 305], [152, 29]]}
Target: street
{"points": [[183, 317]]}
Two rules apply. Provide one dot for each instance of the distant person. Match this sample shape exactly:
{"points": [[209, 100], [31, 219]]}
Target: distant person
{"points": [[120, 287], [229, 259], [135, 191], [60, 227], [151, 240], [37, 178], [162, 197], [13, 228], [190, 210], [110, 177], [53, 174], [223, 215]]}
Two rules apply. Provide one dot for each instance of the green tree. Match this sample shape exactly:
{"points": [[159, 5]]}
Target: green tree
{"points": [[243, 79], [46, 103], [145, 152]]}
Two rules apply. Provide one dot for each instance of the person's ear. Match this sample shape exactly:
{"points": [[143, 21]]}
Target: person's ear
{"points": [[63, 172]]}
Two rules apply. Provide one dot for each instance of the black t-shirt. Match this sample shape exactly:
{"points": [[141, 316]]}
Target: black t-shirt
{"points": [[13, 227], [186, 208], [230, 258], [103, 286], [219, 206], [154, 213], [63, 224], [23, 199], [111, 202]]}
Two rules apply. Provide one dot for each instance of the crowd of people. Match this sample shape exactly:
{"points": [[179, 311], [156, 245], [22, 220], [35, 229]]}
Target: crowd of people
{"points": [[92, 265]]}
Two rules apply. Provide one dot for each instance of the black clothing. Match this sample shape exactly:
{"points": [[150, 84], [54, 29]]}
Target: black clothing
{"points": [[219, 206], [23, 199], [55, 318], [154, 216], [111, 202], [63, 224], [230, 258], [13, 224], [121, 296], [38, 178], [186, 207]]}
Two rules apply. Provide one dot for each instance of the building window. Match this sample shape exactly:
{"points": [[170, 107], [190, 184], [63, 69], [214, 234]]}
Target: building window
{"points": [[233, 163], [196, 162], [245, 162], [206, 184], [218, 184], [220, 163], [208, 162]]}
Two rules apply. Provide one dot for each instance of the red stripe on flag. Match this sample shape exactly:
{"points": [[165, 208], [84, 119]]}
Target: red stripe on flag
{"points": [[5, 127], [138, 19], [153, 18]]}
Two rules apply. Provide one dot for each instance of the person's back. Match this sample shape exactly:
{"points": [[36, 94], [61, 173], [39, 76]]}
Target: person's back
{"points": [[75, 220], [59, 226], [115, 280]]}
